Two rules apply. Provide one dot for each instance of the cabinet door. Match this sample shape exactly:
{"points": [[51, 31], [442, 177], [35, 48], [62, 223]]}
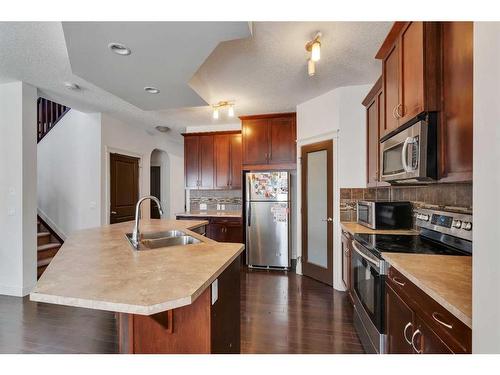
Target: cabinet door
{"points": [[191, 161], [372, 143], [426, 341], [346, 262], [255, 141], [234, 233], [206, 157], [235, 158], [412, 72], [282, 144], [399, 323], [456, 129], [391, 91], [216, 232], [222, 161]]}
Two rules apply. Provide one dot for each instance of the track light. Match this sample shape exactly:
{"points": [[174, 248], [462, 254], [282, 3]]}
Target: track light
{"points": [[314, 48], [215, 113], [222, 105]]}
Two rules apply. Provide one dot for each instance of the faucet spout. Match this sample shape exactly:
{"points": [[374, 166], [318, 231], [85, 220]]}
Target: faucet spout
{"points": [[136, 233]]}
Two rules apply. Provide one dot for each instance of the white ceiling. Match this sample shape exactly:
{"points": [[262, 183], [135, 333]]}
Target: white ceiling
{"points": [[263, 73]]}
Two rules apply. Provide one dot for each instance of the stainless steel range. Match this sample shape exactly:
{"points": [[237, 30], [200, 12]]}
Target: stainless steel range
{"points": [[443, 233]]}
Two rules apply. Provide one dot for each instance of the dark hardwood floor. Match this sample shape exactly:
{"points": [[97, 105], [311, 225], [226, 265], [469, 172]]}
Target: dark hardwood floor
{"points": [[281, 313]]}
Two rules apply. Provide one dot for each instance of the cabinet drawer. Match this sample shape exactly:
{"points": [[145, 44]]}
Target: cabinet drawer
{"points": [[226, 220], [455, 334]]}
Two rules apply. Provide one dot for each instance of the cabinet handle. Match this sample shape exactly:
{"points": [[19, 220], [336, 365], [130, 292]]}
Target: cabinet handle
{"points": [[397, 110], [404, 332], [394, 113], [413, 341], [397, 281], [435, 317]]}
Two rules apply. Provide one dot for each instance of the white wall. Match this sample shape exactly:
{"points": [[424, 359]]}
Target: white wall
{"points": [[486, 188], [17, 188], [69, 173], [118, 136], [337, 115]]}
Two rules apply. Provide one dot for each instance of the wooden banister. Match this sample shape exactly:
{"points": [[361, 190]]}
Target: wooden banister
{"points": [[49, 113]]}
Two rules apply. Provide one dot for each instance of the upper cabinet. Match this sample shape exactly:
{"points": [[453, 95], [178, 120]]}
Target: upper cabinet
{"points": [[411, 72], [212, 160], [269, 141], [374, 103]]}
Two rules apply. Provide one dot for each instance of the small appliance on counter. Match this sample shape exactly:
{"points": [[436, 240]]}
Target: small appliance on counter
{"points": [[442, 233], [385, 215], [267, 221]]}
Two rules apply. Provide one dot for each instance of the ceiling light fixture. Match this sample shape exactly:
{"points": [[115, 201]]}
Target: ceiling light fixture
{"points": [[162, 129], [151, 90], [221, 105], [314, 48], [119, 49], [71, 86]]}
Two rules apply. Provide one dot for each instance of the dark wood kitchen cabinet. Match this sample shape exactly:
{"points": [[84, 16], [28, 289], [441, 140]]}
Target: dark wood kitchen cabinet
{"points": [[269, 141], [227, 154], [417, 324], [374, 103], [411, 72], [457, 91], [199, 161], [346, 260], [221, 229]]}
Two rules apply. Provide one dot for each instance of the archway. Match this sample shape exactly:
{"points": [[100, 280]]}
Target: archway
{"points": [[160, 182]]}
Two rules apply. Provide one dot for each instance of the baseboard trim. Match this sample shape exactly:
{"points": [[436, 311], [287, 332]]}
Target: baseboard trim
{"points": [[52, 225], [15, 291]]}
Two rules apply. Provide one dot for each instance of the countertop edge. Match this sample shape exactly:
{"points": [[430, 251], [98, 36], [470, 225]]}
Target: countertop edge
{"points": [[208, 214], [434, 295], [348, 227]]}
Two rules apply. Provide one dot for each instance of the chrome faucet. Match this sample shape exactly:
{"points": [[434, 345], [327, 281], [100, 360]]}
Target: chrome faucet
{"points": [[136, 234]]}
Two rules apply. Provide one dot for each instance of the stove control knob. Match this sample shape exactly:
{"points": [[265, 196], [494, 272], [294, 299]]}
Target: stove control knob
{"points": [[457, 224], [424, 217], [466, 225]]}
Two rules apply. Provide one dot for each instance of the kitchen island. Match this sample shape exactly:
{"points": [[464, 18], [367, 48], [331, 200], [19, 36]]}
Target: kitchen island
{"points": [[177, 299]]}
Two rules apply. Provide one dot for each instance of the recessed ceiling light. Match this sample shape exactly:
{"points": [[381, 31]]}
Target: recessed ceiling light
{"points": [[119, 49], [162, 129], [71, 86], [151, 90]]}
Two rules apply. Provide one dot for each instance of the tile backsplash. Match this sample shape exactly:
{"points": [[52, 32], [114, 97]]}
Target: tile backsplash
{"points": [[446, 197], [232, 199]]}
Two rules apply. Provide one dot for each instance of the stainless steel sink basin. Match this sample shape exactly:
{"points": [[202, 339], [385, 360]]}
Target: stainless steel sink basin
{"points": [[158, 240]]}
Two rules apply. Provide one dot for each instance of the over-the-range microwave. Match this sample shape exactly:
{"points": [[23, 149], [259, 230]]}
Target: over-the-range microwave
{"points": [[410, 155]]}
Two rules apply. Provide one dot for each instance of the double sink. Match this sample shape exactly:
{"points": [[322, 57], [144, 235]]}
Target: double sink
{"points": [[156, 240]]}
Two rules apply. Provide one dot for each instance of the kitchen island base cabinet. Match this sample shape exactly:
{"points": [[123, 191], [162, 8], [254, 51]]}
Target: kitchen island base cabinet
{"points": [[202, 327]]}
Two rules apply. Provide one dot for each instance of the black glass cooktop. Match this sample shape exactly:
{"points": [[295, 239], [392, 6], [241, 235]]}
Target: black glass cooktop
{"points": [[389, 243]]}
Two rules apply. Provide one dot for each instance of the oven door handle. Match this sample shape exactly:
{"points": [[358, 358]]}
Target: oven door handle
{"points": [[365, 257]]}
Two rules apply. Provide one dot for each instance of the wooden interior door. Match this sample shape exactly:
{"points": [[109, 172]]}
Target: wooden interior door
{"points": [[191, 161], [235, 145], [222, 161], [282, 134], [391, 91], [317, 211], [124, 187], [155, 188], [255, 141]]}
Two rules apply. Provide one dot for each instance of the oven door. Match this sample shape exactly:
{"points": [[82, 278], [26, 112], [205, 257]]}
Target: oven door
{"points": [[368, 283], [403, 155]]}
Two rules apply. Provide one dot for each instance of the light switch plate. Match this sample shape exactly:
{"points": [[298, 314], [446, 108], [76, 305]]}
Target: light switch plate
{"points": [[215, 291]]}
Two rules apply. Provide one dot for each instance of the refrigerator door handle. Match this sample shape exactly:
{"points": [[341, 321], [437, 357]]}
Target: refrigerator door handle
{"points": [[249, 220]]}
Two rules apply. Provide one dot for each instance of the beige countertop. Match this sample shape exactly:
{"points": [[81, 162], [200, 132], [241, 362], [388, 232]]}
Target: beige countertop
{"points": [[210, 213], [445, 278], [98, 269], [353, 228]]}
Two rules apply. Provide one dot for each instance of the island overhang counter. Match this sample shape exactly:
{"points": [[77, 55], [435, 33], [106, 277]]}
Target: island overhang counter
{"points": [[178, 299]]}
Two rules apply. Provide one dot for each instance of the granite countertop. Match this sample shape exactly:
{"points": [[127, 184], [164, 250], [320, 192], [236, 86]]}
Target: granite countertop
{"points": [[98, 269], [353, 228], [211, 213], [445, 278]]}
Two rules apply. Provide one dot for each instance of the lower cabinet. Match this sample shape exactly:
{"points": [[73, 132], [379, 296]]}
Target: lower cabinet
{"points": [[416, 323], [220, 229]]}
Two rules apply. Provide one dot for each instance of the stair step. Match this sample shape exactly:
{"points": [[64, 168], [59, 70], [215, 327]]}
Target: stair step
{"points": [[44, 262], [48, 251], [43, 238], [49, 246], [40, 270]]}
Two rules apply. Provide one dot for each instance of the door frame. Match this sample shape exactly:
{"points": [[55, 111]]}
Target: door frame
{"points": [[315, 271], [106, 212]]}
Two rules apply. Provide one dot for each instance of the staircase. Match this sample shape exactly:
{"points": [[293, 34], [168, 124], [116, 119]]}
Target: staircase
{"points": [[49, 113], [48, 245]]}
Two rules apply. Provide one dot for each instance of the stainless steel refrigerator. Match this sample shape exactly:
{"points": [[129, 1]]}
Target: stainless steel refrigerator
{"points": [[267, 207]]}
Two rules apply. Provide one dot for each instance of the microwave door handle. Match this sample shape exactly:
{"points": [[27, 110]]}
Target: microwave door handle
{"points": [[404, 154]]}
